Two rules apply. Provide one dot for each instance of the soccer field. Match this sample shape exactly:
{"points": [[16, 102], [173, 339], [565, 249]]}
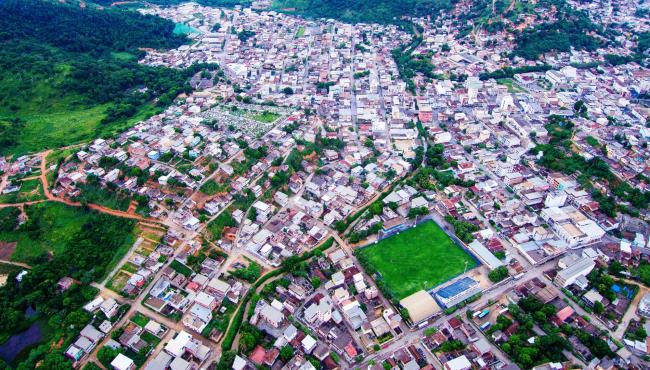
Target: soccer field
{"points": [[418, 258]]}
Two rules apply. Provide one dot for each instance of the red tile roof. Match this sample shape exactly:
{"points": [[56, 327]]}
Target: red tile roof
{"points": [[258, 355]]}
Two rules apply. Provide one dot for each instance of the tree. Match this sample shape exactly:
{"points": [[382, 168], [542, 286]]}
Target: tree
{"points": [[580, 108], [451, 345], [286, 353], [9, 219], [287, 91], [247, 341], [430, 331], [252, 214], [76, 320], [376, 208], [418, 211], [615, 268], [91, 366], [498, 274], [641, 333], [227, 358], [315, 282], [106, 355], [55, 361], [598, 308]]}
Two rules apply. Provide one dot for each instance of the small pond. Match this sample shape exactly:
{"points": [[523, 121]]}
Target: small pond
{"points": [[18, 344]]}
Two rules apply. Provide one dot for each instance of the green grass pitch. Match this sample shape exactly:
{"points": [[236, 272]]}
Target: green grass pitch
{"points": [[418, 258]]}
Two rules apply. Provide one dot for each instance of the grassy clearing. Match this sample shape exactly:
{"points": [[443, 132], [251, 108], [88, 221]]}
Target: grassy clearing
{"points": [[52, 226], [30, 190], [211, 187], [118, 282], [418, 258], [56, 155], [300, 32], [146, 248], [179, 267], [68, 121], [512, 86], [129, 267], [96, 194], [266, 117], [140, 319], [149, 233], [150, 338], [123, 55], [215, 228]]}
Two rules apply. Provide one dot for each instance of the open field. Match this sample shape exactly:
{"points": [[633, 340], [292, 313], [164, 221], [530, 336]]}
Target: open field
{"points": [[55, 122], [418, 258], [118, 282], [211, 187], [56, 224], [512, 86], [150, 233], [300, 32], [50, 228], [30, 190], [266, 117], [59, 154]]}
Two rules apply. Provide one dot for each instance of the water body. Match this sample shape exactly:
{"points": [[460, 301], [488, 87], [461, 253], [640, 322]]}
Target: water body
{"points": [[184, 29], [19, 344]]}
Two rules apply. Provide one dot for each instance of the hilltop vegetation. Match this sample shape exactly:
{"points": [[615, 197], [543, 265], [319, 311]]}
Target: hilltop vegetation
{"points": [[363, 11], [570, 28], [559, 36], [64, 78], [76, 29], [222, 3]]}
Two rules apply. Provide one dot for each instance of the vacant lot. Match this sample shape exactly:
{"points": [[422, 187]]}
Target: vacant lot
{"points": [[30, 190], [49, 229], [266, 117], [418, 258], [118, 282], [53, 121]]}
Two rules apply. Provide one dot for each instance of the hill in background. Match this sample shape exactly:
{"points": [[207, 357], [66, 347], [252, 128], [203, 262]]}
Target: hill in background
{"points": [[69, 73]]}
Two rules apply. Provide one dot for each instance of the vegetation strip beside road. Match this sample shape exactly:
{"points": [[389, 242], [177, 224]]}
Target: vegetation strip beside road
{"points": [[286, 267]]}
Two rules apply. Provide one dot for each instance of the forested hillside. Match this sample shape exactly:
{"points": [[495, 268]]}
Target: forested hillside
{"points": [[569, 29], [224, 3], [69, 73], [364, 11], [83, 29]]}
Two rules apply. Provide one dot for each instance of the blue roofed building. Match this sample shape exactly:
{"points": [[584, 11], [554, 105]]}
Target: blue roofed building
{"points": [[457, 292]]}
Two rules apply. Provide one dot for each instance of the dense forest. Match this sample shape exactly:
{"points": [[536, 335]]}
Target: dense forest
{"points": [[67, 59], [85, 258], [76, 29], [218, 3], [363, 11]]}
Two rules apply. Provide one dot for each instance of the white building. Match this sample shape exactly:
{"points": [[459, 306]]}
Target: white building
{"points": [[570, 225], [568, 275], [644, 306]]}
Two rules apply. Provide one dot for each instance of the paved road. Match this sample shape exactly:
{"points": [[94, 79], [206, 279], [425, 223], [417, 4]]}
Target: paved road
{"points": [[119, 265], [631, 311], [414, 336]]}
